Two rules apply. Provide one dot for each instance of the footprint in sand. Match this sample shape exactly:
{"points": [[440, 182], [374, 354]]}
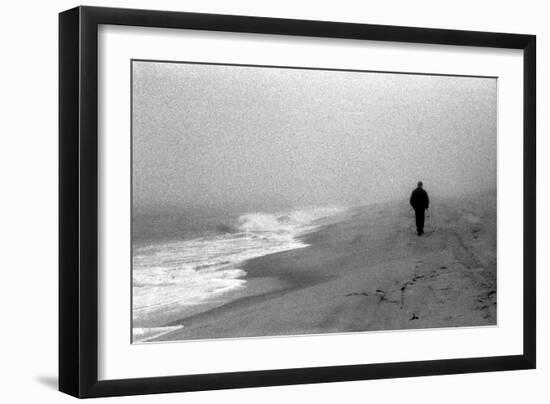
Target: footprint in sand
{"points": [[381, 294]]}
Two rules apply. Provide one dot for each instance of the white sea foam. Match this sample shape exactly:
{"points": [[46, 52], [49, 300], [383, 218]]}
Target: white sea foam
{"points": [[173, 275], [143, 334]]}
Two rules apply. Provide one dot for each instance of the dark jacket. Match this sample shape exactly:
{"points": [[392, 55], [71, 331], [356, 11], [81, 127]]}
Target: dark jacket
{"points": [[419, 199]]}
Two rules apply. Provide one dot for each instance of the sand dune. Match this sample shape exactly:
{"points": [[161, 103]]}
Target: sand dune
{"points": [[370, 271]]}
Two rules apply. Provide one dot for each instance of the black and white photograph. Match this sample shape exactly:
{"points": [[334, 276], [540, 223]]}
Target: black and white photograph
{"points": [[212, 201], [275, 201]]}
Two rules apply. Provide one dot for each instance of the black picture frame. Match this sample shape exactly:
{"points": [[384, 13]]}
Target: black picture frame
{"points": [[78, 201]]}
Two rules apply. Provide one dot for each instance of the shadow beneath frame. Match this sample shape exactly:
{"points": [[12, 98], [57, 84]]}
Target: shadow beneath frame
{"points": [[48, 381]]}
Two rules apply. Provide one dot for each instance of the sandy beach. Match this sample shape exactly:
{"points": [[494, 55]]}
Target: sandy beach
{"points": [[369, 271]]}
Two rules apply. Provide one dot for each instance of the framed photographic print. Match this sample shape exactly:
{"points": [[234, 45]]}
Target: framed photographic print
{"points": [[250, 201]]}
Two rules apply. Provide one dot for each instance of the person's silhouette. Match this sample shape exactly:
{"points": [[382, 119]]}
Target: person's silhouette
{"points": [[419, 201]]}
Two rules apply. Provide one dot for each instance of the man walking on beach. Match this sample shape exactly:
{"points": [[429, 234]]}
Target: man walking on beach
{"points": [[419, 201]]}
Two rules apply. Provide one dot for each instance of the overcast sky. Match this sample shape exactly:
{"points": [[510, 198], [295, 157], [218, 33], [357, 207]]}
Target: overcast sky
{"points": [[267, 136]]}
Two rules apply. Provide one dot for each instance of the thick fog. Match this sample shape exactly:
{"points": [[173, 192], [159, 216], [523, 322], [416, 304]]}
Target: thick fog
{"points": [[269, 137]]}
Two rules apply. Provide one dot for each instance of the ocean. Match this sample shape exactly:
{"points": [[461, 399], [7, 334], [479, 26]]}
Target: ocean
{"points": [[184, 262]]}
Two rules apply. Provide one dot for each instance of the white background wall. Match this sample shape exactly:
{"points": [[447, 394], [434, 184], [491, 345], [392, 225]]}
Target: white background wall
{"points": [[28, 202]]}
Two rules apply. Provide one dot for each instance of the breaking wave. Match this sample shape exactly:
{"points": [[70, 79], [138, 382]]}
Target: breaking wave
{"points": [[170, 276]]}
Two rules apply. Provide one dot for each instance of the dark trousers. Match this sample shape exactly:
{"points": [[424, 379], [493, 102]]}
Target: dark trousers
{"points": [[419, 213]]}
